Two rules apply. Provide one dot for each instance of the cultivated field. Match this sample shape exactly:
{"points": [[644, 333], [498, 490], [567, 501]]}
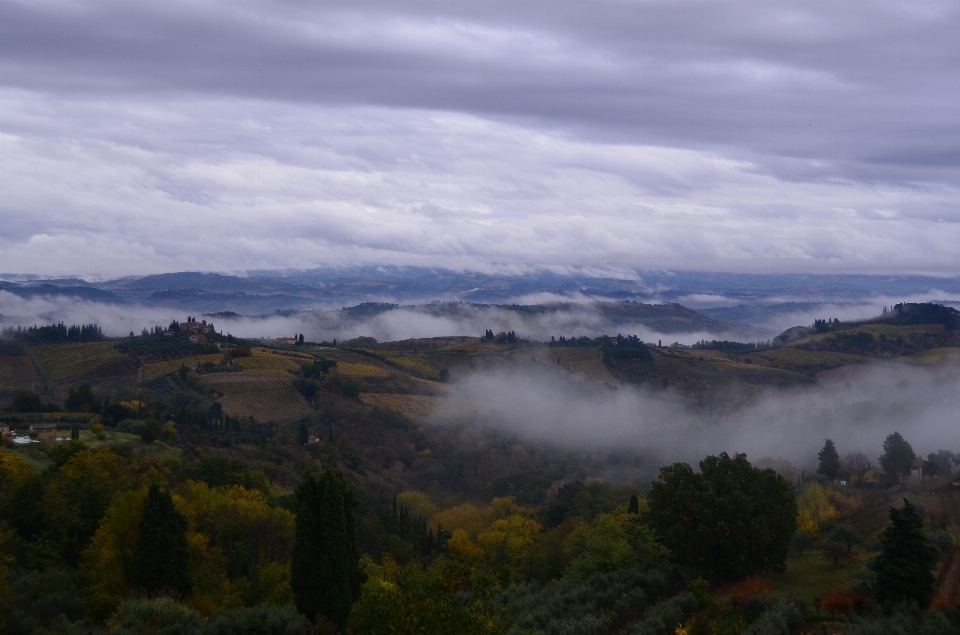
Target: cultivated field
{"points": [[162, 368], [421, 407], [17, 371], [360, 370], [790, 358], [934, 357], [416, 365], [267, 361], [264, 397], [63, 362]]}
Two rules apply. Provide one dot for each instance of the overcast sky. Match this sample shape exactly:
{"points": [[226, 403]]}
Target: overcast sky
{"points": [[755, 136]]}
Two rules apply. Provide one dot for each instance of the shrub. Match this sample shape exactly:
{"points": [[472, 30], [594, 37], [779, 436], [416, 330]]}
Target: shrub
{"points": [[664, 617], [263, 620], [162, 615], [904, 619], [781, 618]]}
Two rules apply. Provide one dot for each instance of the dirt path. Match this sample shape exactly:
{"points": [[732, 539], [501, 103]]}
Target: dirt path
{"points": [[949, 578]]}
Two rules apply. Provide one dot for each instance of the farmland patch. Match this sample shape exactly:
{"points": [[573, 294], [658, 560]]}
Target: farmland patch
{"points": [[264, 397]]}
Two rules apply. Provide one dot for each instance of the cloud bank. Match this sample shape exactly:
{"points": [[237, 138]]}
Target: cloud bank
{"points": [[740, 136]]}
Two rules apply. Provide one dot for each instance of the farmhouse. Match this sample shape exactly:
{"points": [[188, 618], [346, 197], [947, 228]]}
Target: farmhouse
{"points": [[45, 431]]}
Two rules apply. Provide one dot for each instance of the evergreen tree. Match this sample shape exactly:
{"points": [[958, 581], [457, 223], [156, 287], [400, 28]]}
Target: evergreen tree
{"points": [[325, 574], [829, 460], [897, 456], [162, 557], [303, 434], [903, 567], [634, 506]]}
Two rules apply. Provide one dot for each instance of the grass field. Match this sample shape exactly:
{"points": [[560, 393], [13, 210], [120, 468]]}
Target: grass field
{"points": [[934, 357], [62, 362], [162, 368], [890, 330], [811, 574], [352, 369], [264, 397], [268, 361], [17, 371], [420, 407], [794, 356], [416, 365]]}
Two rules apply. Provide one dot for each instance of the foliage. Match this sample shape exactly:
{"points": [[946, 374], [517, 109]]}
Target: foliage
{"points": [[728, 521], [801, 541], [415, 602], [42, 599], [161, 615], [815, 509], [82, 399], [904, 619], [161, 557], [664, 617], [325, 573], [597, 604], [903, 567], [897, 455], [829, 460], [262, 620], [781, 617]]}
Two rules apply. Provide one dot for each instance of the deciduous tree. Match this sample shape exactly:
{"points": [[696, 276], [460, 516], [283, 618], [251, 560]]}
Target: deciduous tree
{"points": [[728, 521]]}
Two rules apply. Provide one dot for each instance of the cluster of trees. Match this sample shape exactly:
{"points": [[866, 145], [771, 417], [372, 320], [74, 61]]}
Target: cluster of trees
{"points": [[502, 337], [897, 461], [729, 347], [55, 333]]}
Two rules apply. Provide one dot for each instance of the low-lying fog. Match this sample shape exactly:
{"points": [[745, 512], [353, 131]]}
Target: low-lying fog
{"points": [[578, 318], [856, 408]]}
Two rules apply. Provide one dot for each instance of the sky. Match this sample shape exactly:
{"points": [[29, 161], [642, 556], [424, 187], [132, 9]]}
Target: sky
{"points": [[744, 136]]}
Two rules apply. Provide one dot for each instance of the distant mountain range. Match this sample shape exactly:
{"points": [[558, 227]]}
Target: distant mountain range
{"points": [[728, 297]]}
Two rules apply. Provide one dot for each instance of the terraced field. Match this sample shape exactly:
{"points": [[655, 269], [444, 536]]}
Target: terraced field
{"points": [[64, 362], [264, 397], [151, 371], [352, 369], [17, 371]]}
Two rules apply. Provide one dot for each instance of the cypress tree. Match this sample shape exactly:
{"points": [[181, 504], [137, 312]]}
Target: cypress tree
{"points": [[829, 460], [325, 571], [634, 506], [303, 434], [162, 556], [903, 567]]}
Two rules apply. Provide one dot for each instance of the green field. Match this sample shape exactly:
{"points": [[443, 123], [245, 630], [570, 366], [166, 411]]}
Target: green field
{"points": [[64, 362]]}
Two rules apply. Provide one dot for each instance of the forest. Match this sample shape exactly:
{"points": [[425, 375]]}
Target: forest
{"points": [[363, 497]]}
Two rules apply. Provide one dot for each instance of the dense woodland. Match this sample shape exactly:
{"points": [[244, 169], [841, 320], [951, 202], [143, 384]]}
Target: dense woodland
{"points": [[168, 510]]}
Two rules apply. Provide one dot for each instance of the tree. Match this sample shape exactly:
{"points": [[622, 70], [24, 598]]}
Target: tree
{"points": [[829, 460], [82, 399], [325, 569], [303, 434], [801, 541], [903, 567], [856, 463], [847, 536], [897, 455], [728, 521], [25, 401], [162, 557]]}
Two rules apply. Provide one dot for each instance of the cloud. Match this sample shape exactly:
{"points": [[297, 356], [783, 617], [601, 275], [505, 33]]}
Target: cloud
{"points": [[740, 136], [857, 410]]}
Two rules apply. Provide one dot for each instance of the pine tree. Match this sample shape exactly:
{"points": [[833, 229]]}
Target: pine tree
{"points": [[162, 557], [903, 567], [829, 460], [325, 572], [634, 506], [897, 455]]}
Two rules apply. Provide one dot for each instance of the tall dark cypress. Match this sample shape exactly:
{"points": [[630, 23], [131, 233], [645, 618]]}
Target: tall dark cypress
{"points": [[903, 567], [325, 571], [162, 557]]}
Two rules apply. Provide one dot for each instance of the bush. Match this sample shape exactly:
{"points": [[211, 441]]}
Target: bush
{"points": [[263, 620], [664, 617], [588, 606], [162, 616], [781, 618], [43, 599], [904, 619]]}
